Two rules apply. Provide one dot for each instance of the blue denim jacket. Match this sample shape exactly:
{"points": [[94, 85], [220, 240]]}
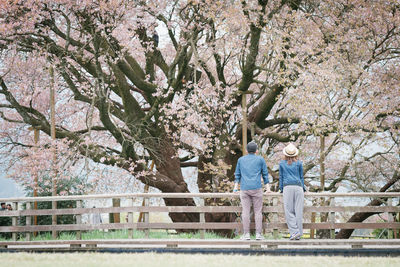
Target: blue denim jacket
{"points": [[248, 172], [291, 174]]}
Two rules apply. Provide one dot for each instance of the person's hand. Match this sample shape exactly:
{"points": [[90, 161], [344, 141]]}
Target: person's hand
{"points": [[235, 188], [267, 189]]}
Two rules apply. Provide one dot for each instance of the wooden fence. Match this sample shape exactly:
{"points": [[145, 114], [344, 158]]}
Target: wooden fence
{"points": [[273, 207]]}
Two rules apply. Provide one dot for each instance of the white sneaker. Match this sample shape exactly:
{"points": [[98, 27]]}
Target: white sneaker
{"points": [[259, 236], [295, 236], [245, 236], [298, 236]]}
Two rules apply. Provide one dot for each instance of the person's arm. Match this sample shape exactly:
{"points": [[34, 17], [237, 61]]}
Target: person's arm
{"points": [[237, 176], [280, 178], [301, 175], [264, 173]]}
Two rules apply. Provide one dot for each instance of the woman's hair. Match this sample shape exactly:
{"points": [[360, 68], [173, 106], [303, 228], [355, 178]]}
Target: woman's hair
{"points": [[290, 160]]}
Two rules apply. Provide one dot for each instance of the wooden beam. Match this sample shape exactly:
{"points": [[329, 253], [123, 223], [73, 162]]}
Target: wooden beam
{"points": [[190, 226], [201, 195], [53, 137]]}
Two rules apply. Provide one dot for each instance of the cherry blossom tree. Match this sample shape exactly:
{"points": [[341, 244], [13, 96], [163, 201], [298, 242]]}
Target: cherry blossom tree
{"points": [[162, 81]]}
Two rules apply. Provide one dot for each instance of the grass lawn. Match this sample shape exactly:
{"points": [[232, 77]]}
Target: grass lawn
{"points": [[121, 234], [178, 260]]}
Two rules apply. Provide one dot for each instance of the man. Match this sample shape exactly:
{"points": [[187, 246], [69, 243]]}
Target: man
{"points": [[3, 206], [249, 170]]}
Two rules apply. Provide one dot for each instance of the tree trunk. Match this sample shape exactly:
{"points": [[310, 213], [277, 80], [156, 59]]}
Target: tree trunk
{"points": [[205, 180], [168, 164], [361, 216]]}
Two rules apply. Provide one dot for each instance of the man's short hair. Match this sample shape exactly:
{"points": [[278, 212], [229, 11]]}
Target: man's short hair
{"points": [[252, 147]]}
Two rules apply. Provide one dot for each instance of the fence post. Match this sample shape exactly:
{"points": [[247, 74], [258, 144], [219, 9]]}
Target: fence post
{"points": [[115, 217], [332, 218], [202, 219], [397, 231], [130, 218], [275, 217], [28, 220], [146, 218], [390, 218], [54, 233], [314, 203], [397, 219], [312, 230], [78, 219], [323, 216], [14, 220]]}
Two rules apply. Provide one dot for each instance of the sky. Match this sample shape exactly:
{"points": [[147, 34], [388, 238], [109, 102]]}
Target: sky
{"points": [[8, 188]]}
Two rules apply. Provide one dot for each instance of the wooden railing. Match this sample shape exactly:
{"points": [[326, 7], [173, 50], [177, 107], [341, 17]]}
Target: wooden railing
{"points": [[272, 207]]}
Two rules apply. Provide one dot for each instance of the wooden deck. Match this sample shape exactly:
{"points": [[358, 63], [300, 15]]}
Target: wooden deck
{"points": [[274, 224]]}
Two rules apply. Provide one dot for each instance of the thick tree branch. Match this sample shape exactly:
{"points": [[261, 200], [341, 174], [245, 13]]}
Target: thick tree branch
{"points": [[361, 216]]}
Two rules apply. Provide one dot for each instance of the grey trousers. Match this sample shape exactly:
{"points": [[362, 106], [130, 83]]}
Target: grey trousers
{"points": [[293, 202], [248, 197]]}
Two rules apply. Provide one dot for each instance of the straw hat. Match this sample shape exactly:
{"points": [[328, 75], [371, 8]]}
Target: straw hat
{"points": [[290, 150]]}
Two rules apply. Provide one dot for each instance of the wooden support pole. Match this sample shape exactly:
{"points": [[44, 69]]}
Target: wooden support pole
{"points": [[244, 121], [36, 136], [244, 124], [322, 163], [53, 137], [35, 180]]}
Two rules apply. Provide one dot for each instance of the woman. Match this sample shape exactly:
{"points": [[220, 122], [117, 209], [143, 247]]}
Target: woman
{"points": [[291, 183]]}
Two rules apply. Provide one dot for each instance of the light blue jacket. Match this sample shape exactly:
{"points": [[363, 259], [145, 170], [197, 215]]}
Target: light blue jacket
{"points": [[249, 170], [290, 174]]}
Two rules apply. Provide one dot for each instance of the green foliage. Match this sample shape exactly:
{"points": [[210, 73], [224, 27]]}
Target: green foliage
{"points": [[5, 221], [380, 233], [73, 186]]}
